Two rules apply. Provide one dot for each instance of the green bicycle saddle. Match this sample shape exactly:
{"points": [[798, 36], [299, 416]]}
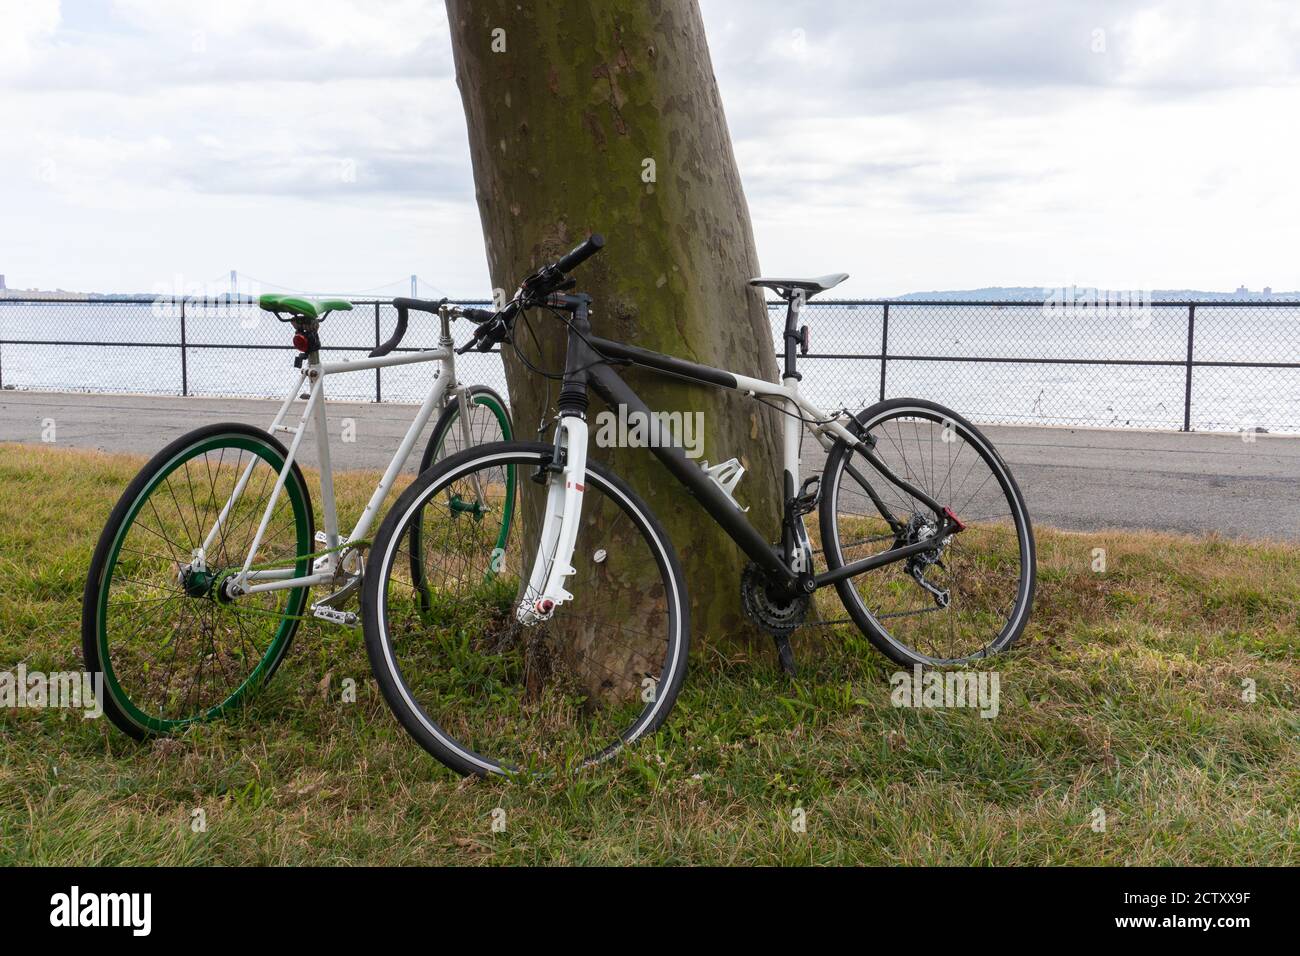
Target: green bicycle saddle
{"points": [[303, 307]]}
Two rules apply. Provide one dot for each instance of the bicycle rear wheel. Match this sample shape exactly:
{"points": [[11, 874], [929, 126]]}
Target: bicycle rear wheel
{"points": [[971, 595], [477, 689]]}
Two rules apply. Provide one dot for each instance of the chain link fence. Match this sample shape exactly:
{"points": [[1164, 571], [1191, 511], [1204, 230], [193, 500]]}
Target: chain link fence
{"points": [[1207, 365]]}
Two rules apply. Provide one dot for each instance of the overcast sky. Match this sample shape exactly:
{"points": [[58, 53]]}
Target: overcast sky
{"points": [[319, 145]]}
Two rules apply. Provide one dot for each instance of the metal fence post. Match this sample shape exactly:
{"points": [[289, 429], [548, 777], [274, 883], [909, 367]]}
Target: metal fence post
{"points": [[379, 395], [1187, 393], [884, 350], [185, 369]]}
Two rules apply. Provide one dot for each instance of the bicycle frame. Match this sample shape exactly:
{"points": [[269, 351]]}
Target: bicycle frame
{"points": [[250, 580], [588, 365]]}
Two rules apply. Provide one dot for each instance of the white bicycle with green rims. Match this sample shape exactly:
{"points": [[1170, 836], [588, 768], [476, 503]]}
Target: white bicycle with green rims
{"points": [[202, 573]]}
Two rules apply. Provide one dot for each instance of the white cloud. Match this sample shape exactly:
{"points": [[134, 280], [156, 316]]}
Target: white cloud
{"points": [[1201, 44], [26, 26], [929, 148], [317, 27], [321, 143]]}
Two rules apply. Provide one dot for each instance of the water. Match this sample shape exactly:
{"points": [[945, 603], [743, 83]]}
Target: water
{"points": [[920, 338]]}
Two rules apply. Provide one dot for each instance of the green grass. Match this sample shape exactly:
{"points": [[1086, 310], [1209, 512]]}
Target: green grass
{"points": [[1124, 694]]}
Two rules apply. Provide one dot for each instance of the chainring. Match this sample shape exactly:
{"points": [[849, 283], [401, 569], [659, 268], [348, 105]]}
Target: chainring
{"points": [[778, 616], [346, 584]]}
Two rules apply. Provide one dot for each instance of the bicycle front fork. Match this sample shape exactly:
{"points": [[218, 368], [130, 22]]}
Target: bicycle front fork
{"points": [[565, 479]]}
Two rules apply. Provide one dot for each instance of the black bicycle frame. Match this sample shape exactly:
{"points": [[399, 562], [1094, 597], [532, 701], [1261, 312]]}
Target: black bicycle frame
{"points": [[588, 365]]}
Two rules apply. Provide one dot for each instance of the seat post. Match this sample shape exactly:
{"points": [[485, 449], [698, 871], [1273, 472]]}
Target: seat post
{"points": [[794, 304]]}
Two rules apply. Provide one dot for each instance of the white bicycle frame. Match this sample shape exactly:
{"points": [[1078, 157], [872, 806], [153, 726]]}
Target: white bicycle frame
{"points": [[250, 580]]}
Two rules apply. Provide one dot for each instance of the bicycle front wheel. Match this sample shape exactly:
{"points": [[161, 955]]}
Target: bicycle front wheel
{"points": [[488, 421], [155, 621], [477, 689], [970, 595]]}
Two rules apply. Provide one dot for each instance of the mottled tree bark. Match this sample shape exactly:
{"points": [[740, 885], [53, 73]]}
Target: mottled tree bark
{"points": [[604, 116]]}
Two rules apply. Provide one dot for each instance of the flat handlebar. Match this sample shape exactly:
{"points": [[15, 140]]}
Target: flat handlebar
{"points": [[581, 253], [532, 291]]}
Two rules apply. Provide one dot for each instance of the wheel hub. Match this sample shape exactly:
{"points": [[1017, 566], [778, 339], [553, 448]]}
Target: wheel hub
{"points": [[459, 506], [196, 583]]}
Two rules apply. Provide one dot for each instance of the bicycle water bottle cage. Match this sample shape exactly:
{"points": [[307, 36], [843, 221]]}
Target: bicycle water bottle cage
{"points": [[726, 476]]}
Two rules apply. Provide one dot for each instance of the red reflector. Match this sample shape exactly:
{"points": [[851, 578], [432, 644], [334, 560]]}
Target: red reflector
{"points": [[954, 519], [300, 342], [806, 339]]}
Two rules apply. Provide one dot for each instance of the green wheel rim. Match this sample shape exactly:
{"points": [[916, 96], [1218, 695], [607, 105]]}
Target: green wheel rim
{"points": [[297, 596], [507, 516]]}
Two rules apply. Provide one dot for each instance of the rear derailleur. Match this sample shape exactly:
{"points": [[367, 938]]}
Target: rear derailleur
{"points": [[918, 529]]}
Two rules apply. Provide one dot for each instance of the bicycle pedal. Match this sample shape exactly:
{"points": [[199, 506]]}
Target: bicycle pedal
{"points": [[806, 500], [334, 616]]}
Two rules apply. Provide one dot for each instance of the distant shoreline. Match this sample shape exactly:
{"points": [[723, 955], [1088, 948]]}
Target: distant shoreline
{"points": [[1009, 294]]}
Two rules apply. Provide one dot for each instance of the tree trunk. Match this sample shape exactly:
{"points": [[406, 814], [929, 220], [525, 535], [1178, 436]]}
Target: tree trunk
{"points": [[604, 116]]}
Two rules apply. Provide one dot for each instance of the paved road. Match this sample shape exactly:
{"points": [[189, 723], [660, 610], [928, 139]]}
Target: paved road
{"points": [[1074, 478]]}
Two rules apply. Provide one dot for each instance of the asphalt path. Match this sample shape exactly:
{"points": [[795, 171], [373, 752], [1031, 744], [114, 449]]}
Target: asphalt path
{"points": [[1081, 479]]}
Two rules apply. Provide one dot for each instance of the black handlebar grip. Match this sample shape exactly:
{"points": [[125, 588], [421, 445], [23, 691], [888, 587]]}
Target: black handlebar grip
{"points": [[419, 305], [478, 315], [398, 332], [580, 254]]}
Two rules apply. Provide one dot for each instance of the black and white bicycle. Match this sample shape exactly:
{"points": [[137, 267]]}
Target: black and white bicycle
{"points": [[558, 652]]}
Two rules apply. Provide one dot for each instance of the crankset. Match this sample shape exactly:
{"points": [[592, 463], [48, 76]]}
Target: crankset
{"points": [[765, 606], [348, 565], [775, 612]]}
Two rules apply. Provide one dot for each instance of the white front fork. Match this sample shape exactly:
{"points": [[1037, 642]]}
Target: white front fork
{"points": [[554, 561]]}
